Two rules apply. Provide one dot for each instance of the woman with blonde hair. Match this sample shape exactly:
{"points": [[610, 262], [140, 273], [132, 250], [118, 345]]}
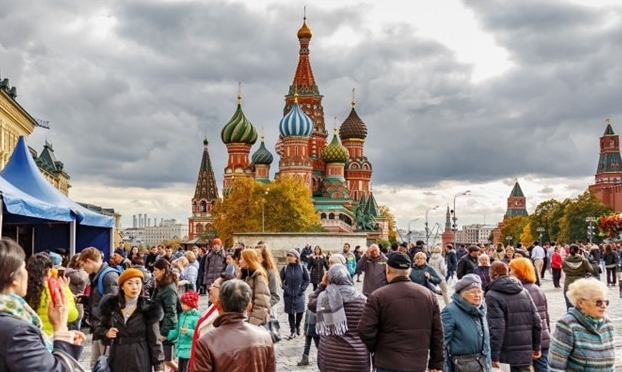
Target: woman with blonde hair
{"points": [[522, 269], [268, 263], [253, 273]]}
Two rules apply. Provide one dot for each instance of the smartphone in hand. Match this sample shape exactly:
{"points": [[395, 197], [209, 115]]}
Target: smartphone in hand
{"points": [[55, 288]]}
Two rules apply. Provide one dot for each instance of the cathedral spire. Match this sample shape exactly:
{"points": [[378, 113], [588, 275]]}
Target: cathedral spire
{"points": [[205, 195]]}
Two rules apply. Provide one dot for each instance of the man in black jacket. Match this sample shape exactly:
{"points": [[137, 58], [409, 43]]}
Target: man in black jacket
{"points": [[468, 262], [513, 321]]}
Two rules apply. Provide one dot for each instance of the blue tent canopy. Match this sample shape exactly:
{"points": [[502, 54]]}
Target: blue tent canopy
{"points": [[19, 203], [23, 173]]}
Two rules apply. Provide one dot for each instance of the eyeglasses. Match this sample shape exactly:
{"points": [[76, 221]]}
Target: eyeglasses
{"points": [[598, 303]]}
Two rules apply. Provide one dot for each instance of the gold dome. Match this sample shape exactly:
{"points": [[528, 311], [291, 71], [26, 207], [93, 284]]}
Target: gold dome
{"points": [[304, 32]]}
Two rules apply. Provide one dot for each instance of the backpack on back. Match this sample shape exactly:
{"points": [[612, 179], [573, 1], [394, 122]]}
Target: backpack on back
{"points": [[100, 279]]}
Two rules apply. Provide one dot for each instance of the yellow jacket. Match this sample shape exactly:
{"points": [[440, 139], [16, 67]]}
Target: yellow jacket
{"points": [[42, 311]]}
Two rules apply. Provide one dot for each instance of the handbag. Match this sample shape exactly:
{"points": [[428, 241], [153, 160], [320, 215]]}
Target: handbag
{"points": [[274, 327], [68, 361], [468, 363], [101, 365]]}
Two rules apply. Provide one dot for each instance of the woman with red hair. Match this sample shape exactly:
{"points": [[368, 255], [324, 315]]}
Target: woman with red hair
{"points": [[522, 269]]}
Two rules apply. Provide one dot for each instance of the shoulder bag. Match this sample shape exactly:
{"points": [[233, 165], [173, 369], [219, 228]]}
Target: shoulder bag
{"points": [[68, 361], [471, 362]]}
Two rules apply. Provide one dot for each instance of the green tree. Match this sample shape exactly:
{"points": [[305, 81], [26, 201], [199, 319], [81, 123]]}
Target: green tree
{"points": [[543, 216], [573, 226]]}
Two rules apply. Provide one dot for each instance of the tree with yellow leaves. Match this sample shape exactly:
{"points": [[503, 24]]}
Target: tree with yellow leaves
{"points": [[386, 213], [283, 205]]}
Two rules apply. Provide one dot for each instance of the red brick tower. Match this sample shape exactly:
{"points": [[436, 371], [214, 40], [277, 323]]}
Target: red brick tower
{"points": [[608, 178], [205, 194], [310, 102], [448, 234]]}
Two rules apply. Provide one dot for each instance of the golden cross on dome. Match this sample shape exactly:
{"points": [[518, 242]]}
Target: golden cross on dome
{"points": [[353, 99], [335, 126], [608, 121], [239, 92]]}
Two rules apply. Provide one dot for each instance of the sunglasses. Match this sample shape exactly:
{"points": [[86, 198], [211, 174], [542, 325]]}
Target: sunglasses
{"points": [[599, 303]]}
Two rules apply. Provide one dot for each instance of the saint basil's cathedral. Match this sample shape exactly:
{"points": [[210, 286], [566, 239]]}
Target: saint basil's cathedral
{"points": [[337, 173]]}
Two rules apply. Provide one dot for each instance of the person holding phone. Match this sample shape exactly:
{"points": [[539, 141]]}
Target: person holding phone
{"points": [[23, 345], [39, 293]]}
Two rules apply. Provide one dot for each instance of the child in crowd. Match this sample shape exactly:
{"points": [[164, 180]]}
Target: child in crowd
{"points": [[182, 334], [310, 334], [231, 267]]}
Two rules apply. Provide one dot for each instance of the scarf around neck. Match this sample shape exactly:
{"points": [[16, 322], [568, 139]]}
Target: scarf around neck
{"points": [[17, 307], [331, 316]]}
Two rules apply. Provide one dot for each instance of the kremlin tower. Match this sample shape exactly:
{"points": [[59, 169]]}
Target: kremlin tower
{"points": [[205, 194], [607, 184]]}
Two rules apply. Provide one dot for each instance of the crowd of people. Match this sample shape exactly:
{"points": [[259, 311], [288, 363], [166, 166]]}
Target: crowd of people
{"points": [[142, 308]]}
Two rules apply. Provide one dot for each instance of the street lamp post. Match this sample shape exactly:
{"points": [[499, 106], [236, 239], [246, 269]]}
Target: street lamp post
{"points": [[410, 231], [263, 212], [427, 230], [590, 227], [540, 231], [454, 218], [509, 240]]}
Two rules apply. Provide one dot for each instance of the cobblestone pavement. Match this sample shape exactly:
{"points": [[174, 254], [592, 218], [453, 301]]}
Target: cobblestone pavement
{"points": [[288, 352]]}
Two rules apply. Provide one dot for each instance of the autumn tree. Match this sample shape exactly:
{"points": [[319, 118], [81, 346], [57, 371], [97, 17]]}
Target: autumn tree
{"points": [[284, 205], [513, 227], [386, 213]]}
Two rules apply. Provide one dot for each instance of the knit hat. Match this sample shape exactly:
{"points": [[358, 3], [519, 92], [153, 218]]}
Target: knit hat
{"points": [[293, 252], [336, 258], [399, 260], [467, 282], [129, 274], [56, 258], [120, 252], [190, 298]]}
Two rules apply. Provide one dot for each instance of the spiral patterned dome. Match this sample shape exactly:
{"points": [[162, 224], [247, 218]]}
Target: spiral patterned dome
{"points": [[239, 129], [262, 155], [335, 152], [353, 127], [296, 123]]}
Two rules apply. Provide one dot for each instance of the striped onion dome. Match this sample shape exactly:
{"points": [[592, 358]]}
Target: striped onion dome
{"points": [[239, 129], [335, 152], [296, 122], [353, 126], [262, 155]]}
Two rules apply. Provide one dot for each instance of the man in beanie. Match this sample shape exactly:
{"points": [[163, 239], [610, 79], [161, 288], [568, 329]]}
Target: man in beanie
{"points": [[515, 326], [183, 333], [119, 261], [399, 340], [235, 345]]}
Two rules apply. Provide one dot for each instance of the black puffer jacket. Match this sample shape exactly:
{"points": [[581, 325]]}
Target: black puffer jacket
{"points": [[513, 320], [137, 347]]}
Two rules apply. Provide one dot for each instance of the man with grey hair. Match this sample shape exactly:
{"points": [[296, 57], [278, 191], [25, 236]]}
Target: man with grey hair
{"points": [[373, 264], [234, 344], [399, 340]]}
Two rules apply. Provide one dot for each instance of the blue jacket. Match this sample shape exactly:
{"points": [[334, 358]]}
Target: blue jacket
{"points": [[465, 330], [295, 279], [417, 274]]}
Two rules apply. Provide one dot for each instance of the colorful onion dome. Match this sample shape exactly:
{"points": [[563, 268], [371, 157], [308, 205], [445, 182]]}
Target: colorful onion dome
{"points": [[353, 126], [239, 129], [278, 146], [296, 122], [262, 155], [335, 152], [304, 32]]}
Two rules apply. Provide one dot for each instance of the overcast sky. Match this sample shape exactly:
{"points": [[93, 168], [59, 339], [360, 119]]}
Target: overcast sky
{"points": [[456, 95]]}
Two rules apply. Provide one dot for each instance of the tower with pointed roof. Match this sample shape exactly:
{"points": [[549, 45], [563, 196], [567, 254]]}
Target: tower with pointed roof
{"points": [[238, 135], [309, 100], [516, 202], [447, 237], [607, 184], [205, 194]]}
